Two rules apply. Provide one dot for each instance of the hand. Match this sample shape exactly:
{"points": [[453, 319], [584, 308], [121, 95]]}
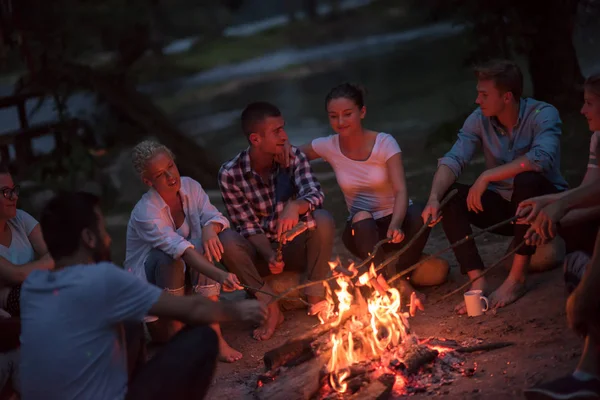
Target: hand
{"points": [[276, 267], [287, 220], [285, 156], [475, 194], [246, 310], [432, 209], [582, 312], [213, 248], [533, 239], [545, 223], [395, 234], [231, 282], [528, 210]]}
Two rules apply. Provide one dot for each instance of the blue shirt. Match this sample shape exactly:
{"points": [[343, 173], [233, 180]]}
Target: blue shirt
{"points": [[536, 136], [72, 343]]}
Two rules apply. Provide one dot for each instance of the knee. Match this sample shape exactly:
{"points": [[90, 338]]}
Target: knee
{"points": [[324, 221], [361, 216], [165, 262]]}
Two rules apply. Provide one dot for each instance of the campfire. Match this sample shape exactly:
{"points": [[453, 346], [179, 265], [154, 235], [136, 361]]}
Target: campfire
{"points": [[363, 348]]}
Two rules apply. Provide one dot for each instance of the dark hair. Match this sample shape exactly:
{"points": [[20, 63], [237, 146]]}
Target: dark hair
{"points": [[255, 113], [348, 91], [592, 83], [63, 219], [505, 74]]}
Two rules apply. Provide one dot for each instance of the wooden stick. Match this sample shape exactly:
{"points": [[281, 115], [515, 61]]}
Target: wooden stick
{"points": [[453, 245], [499, 262], [273, 294], [449, 196], [484, 347]]}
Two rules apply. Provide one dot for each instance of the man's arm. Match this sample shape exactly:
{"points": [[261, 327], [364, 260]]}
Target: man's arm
{"points": [[198, 310], [309, 188]]}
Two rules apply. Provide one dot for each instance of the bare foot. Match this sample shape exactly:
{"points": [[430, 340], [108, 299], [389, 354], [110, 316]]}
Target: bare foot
{"points": [[267, 329], [509, 292], [227, 353]]}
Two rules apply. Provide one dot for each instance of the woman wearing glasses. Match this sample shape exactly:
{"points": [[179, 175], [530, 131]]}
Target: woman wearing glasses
{"points": [[22, 247]]}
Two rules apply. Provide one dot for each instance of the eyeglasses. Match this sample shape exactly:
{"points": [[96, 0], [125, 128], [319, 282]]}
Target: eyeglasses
{"points": [[9, 193]]}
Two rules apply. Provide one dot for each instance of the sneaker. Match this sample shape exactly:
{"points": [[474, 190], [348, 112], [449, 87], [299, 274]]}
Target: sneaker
{"points": [[564, 389]]}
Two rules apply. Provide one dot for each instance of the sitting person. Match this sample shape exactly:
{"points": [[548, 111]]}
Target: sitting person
{"points": [[575, 216], [368, 167], [264, 201], [22, 247], [175, 231], [520, 139], [73, 341]]}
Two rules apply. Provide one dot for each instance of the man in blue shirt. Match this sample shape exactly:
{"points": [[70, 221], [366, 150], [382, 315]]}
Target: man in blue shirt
{"points": [[74, 338], [520, 139]]}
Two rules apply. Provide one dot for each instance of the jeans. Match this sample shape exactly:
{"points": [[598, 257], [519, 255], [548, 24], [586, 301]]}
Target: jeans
{"points": [[360, 239], [457, 219], [309, 252], [169, 274], [182, 369]]}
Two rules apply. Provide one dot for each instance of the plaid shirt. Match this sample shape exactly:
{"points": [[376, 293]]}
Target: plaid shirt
{"points": [[251, 202]]}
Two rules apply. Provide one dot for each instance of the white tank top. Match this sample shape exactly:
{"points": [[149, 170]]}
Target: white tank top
{"points": [[184, 229]]}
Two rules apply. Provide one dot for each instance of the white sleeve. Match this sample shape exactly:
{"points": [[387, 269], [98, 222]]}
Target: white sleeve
{"points": [[389, 146], [26, 221], [594, 159], [323, 146]]}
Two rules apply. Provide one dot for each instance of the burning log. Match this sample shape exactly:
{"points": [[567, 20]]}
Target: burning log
{"points": [[415, 357], [290, 353], [298, 383], [378, 389]]}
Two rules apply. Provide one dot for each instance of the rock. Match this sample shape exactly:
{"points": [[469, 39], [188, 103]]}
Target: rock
{"points": [[281, 283], [431, 273], [546, 257]]}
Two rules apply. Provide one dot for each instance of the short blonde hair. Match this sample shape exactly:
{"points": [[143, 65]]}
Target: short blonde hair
{"points": [[146, 150]]}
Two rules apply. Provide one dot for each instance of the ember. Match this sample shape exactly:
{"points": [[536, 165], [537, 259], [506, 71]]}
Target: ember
{"points": [[363, 349]]}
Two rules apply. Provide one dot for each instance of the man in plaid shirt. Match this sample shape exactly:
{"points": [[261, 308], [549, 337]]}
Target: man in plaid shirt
{"points": [[264, 201]]}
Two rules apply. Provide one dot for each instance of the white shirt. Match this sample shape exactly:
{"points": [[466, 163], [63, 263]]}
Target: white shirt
{"points": [[20, 251], [366, 184], [151, 225]]}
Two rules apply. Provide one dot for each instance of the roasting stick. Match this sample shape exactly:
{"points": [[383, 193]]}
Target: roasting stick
{"points": [[453, 245], [273, 294], [375, 249], [488, 269]]}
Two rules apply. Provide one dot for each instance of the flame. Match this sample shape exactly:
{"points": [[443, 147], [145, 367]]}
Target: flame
{"points": [[374, 326]]}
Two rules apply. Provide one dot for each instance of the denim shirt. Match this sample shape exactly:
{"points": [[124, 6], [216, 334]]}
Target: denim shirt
{"points": [[536, 136], [151, 225]]}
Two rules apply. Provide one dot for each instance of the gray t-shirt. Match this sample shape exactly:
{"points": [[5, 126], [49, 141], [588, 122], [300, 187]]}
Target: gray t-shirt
{"points": [[72, 344], [20, 250]]}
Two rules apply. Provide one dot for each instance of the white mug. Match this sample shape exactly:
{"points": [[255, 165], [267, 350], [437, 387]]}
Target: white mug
{"points": [[474, 301]]}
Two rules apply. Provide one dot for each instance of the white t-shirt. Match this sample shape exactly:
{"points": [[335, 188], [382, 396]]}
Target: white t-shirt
{"points": [[72, 343], [594, 160], [366, 184], [20, 250]]}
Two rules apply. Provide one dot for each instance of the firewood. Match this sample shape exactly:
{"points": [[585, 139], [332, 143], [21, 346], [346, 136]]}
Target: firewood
{"points": [[415, 357], [483, 347], [288, 353], [297, 383], [379, 389]]}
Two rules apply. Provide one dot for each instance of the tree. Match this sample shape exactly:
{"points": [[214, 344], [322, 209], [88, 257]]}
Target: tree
{"points": [[55, 37], [542, 32]]}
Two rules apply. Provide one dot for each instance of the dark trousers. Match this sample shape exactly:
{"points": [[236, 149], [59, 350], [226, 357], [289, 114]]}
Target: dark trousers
{"points": [[182, 369], [360, 239], [309, 253], [457, 219]]}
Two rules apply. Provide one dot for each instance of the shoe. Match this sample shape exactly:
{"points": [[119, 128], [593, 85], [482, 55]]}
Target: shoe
{"points": [[565, 388]]}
